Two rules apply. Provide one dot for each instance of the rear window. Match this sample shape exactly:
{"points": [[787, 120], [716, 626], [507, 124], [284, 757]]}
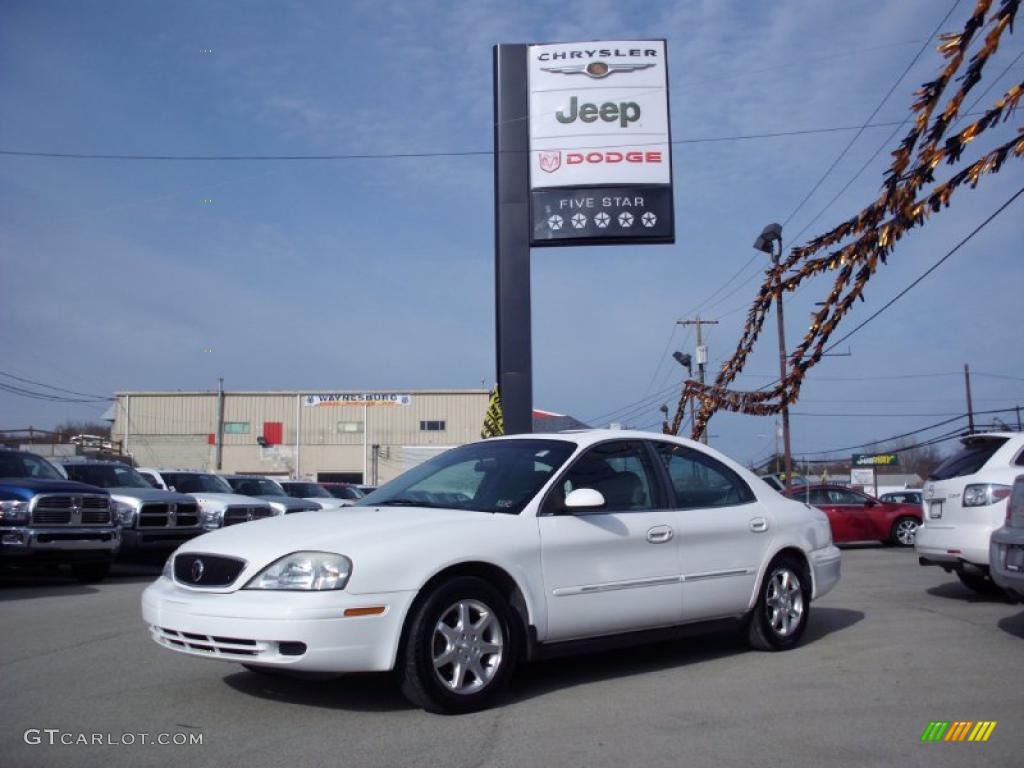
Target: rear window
{"points": [[968, 460]]}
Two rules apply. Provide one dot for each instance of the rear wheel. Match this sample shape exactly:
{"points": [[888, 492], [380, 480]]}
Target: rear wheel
{"points": [[783, 606], [89, 573], [904, 530], [980, 583], [461, 648]]}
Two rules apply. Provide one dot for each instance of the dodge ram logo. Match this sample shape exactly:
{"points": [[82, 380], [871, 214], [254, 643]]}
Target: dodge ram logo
{"points": [[197, 570], [550, 161]]}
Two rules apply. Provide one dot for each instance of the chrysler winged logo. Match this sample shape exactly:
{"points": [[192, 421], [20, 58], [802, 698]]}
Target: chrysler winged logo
{"points": [[197, 570], [597, 69], [550, 161]]}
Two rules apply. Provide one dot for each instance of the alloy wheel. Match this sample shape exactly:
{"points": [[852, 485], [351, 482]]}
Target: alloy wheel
{"points": [[467, 646], [784, 602]]}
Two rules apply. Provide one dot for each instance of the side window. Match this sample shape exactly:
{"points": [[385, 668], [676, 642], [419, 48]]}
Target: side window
{"points": [[699, 481], [620, 470], [820, 497], [846, 498], [151, 479]]}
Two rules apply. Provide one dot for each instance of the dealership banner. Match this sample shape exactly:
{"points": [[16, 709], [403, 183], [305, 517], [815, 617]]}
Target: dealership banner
{"points": [[366, 399], [600, 143]]}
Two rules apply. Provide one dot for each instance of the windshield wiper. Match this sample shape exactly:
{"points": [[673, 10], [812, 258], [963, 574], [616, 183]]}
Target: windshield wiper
{"points": [[403, 503]]}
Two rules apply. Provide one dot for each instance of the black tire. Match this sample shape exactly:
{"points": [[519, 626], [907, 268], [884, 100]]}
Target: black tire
{"points": [[433, 688], [900, 534], [767, 628], [90, 573], [980, 583]]}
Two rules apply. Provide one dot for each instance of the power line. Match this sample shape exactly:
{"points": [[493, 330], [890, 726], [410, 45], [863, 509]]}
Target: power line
{"points": [[874, 112], [928, 271], [419, 155], [50, 386]]}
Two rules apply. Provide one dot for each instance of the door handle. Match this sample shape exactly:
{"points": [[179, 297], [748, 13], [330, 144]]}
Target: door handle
{"points": [[758, 524], [659, 534]]}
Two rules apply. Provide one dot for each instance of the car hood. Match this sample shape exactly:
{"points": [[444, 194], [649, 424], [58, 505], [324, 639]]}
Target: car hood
{"points": [[344, 531], [24, 488], [291, 504], [150, 494], [228, 499]]}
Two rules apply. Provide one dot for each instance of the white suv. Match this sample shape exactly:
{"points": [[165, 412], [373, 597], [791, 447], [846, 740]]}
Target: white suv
{"points": [[965, 501]]}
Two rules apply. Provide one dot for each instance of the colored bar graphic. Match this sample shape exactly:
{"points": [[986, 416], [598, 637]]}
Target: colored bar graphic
{"points": [[958, 730]]}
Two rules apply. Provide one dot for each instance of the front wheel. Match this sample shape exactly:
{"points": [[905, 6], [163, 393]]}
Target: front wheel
{"points": [[783, 606], [904, 530], [460, 649]]}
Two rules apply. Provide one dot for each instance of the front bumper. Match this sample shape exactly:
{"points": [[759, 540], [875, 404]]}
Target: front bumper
{"points": [[298, 630], [1009, 577], [59, 543], [825, 564], [951, 544], [150, 539]]}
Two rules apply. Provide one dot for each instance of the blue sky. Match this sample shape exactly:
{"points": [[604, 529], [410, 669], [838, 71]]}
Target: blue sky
{"points": [[378, 273]]}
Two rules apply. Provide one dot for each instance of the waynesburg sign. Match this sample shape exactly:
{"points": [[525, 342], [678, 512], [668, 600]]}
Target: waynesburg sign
{"points": [[600, 144]]}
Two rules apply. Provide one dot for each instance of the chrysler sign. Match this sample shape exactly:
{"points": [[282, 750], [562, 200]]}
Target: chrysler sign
{"points": [[599, 133]]}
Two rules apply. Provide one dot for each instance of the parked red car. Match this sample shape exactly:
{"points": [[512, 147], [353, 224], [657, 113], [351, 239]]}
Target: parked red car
{"points": [[855, 516]]}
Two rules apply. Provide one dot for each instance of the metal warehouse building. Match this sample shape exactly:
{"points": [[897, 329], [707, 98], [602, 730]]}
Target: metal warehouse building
{"points": [[361, 437]]}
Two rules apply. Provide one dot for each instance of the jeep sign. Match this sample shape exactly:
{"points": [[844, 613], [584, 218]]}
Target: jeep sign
{"points": [[599, 134]]}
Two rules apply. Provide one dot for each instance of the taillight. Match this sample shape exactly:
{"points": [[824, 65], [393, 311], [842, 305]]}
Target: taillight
{"points": [[983, 494]]}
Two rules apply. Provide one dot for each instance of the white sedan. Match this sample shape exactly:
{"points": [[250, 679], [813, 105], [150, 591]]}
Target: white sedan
{"points": [[499, 551]]}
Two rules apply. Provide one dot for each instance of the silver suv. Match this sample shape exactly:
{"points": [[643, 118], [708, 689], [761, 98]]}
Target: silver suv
{"points": [[272, 493], [965, 501], [150, 518]]}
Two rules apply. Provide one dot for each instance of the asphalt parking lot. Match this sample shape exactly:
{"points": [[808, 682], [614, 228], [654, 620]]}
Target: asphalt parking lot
{"points": [[892, 648]]}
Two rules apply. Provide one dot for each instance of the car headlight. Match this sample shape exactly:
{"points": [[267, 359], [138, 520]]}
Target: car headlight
{"points": [[279, 507], [211, 517], [124, 513], [307, 571], [14, 512], [983, 494]]}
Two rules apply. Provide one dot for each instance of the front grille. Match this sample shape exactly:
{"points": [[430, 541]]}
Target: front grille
{"points": [[234, 515], [48, 538], [230, 647], [161, 515], [90, 509], [221, 646], [200, 570]]}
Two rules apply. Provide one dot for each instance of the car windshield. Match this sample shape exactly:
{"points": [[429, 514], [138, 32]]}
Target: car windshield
{"points": [[106, 475], [969, 459], [306, 491], [492, 476], [23, 465], [255, 486], [190, 482]]}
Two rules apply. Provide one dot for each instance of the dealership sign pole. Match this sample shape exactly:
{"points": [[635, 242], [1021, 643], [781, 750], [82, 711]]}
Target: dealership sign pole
{"points": [[583, 156]]}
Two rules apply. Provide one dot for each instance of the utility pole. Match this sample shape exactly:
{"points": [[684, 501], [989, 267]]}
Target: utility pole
{"points": [[220, 423], [702, 356], [970, 407]]}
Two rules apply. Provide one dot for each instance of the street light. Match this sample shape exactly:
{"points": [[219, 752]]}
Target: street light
{"points": [[772, 235]]}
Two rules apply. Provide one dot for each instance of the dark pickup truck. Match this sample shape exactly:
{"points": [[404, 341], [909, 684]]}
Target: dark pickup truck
{"points": [[47, 519]]}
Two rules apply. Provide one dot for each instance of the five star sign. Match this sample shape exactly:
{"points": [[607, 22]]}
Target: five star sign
{"points": [[601, 219], [579, 221], [625, 219], [649, 219], [555, 222]]}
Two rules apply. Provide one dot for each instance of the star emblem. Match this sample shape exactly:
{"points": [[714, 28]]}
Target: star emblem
{"points": [[579, 221], [555, 222], [625, 219], [602, 219], [649, 219]]}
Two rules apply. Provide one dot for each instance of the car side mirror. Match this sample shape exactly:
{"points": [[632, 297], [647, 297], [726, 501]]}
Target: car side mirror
{"points": [[584, 498], [172, 488], [869, 503]]}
